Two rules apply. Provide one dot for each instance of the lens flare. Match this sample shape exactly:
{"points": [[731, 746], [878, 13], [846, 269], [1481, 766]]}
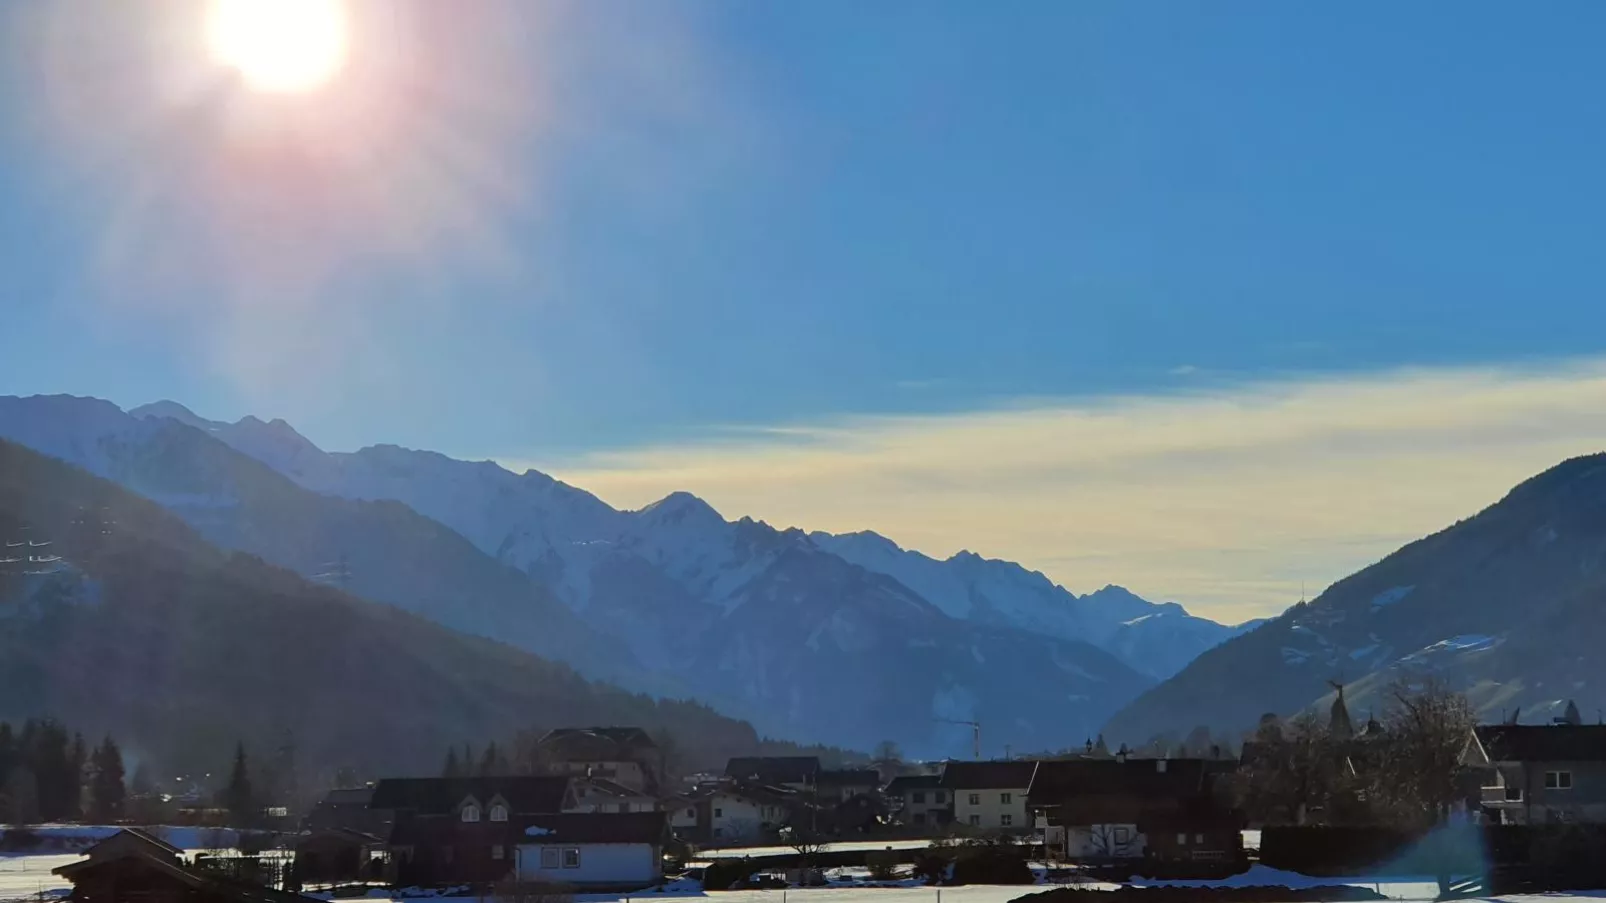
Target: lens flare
{"points": [[287, 46]]}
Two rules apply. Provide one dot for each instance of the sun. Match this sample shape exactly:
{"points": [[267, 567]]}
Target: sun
{"points": [[286, 46]]}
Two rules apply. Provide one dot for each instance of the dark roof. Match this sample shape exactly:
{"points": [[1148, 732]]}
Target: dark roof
{"points": [[605, 787], [775, 769], [1543, 743], [1061, 779], [851, 777], [598, 827], [359, 796], [987, 775], [901, 785], [208, 884], [439, 796], [598, 744]]}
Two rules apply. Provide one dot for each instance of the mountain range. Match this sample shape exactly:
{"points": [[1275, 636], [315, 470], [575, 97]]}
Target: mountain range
{"points": [[1505, 606], [845, 639], [139, 627]]}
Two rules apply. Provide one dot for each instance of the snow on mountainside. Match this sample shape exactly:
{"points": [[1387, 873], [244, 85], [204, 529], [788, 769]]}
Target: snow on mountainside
{"points": [[566, 536], [765, 623], [1156, 640], [1505, 605], [388, 552]]}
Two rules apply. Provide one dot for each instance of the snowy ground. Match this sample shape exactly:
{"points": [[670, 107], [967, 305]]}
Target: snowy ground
{"points": [[739, 852], [26, 877]]}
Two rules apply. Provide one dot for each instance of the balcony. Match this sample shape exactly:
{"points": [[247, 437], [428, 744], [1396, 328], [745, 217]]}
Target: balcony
{"points": [[1499, 797]]}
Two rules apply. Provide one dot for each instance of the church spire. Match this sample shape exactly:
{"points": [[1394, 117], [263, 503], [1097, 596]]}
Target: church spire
{"points": [[1339, 722]]}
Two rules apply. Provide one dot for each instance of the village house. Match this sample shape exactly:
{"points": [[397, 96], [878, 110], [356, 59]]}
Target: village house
{"points": [[919, 800], [349, 810], [625, 755], [1167, 809], [619, 852], [1539, 774], [336, 856], [842, 785], [603, 795], [801, 773], [462, 830], [990, 796], [737, 814], [134, 865]]}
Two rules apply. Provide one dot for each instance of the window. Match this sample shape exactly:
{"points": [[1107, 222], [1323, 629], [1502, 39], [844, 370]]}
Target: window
{"points": [[498, 812], [1006, 798], [719, 813], [1558, 780], [937, 797], [975, 821], [471, 812], [719, 832], [496, 851], [975, 799], [571, 858], [1182, 840], [917, 797], [1005, 820], [691, 813], [549, 857], [1198, 838], [1121, 835]]}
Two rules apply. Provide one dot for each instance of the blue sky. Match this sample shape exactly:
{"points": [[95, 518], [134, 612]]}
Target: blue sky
{"points": [[653, 230]]}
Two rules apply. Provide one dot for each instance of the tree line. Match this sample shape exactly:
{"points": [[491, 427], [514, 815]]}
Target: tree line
{"points": [[48, 774], [1404, 771]]}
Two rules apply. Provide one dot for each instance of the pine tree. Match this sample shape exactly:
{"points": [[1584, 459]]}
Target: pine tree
{"points": [[78, 761], [106, 790], [493, 763], [452, 769], [237, 796], [8, 752]]}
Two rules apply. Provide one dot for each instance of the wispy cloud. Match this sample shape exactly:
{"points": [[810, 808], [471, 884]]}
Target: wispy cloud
{"points": [[1225, 498]]}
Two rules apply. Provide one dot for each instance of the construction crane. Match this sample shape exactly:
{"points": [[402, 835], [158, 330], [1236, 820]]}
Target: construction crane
{"points": [[975, 732]]}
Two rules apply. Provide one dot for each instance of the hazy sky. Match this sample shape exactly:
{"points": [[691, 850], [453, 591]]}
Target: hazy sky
{"points": [[1206, 299]]}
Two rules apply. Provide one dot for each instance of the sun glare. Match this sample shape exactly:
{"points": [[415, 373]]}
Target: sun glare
{"points": [[279, 45]]}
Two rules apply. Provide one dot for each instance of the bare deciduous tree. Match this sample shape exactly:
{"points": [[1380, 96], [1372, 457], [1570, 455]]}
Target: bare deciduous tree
{"points": [[1419, 770], [1296, 769]]}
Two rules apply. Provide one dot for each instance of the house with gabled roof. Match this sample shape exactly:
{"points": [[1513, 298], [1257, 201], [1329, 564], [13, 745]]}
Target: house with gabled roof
{"points": [[593, 851], [462, 830], [1540, 774], [919, 800], [794, 772], [1169, 809], [990, 796], [626, 755]]}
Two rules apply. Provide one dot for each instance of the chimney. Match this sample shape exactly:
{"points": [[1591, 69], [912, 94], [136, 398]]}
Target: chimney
{"points": [[1159, 765]]}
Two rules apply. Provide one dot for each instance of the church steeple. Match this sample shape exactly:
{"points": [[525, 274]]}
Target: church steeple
{"points": [[1339, 723]]}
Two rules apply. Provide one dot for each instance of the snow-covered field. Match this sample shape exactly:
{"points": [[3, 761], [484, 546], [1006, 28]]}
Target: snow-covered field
{"points": [[25, 877], [739, 852]]}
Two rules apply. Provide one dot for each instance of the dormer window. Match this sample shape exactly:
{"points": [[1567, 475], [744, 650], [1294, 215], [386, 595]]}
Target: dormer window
{"points": [[471, 812], [498, 812]]}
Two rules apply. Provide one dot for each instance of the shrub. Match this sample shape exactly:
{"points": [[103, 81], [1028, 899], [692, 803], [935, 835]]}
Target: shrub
{"points": [[883, 864], [722, 873]]}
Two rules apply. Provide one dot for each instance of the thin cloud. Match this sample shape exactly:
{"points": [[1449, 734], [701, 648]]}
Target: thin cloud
{"points": [[1226, 498]]}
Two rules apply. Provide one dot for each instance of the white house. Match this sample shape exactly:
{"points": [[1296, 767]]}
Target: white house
{"points": [[990, 796], [603, 795], [744, 815], [597, 851]]}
